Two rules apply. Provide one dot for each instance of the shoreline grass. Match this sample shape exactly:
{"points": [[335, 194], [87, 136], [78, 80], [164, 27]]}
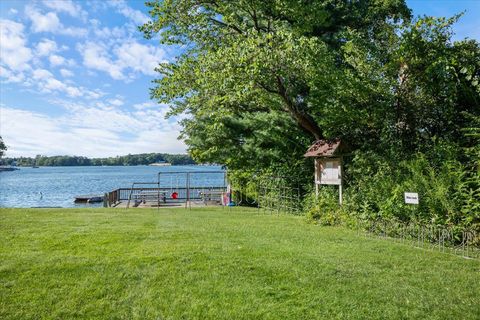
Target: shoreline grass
{"points": [[210, 263]]}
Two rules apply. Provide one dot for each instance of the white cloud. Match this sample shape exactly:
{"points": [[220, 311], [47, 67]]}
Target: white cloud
{"points": [[95, 94], [43, 23], [139, 57], [115, 33], [130, 57], [56, 60], [95, 56], [50, 22], [13, 50], [135, 16], [86, 131], [47, 83], [145, 105], [40, 74], [66, 73], [46, 47], [67, 6], [93, 123], [11, 76], [22, 130], [116, 102]]}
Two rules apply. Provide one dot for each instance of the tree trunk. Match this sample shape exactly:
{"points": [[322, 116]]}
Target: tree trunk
{"points": [[304, 120]]}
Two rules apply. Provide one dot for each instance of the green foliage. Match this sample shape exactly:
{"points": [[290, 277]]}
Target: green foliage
{"points": [[257, 78], [323, 209], [448, 192], [378, 192], [470, 188]]}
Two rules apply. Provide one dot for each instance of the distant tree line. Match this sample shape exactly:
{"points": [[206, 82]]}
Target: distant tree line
{"points": [[128, 160]]}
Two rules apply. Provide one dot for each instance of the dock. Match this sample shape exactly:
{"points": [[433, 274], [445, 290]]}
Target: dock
{"points": [[182, 193], [145, 197]]}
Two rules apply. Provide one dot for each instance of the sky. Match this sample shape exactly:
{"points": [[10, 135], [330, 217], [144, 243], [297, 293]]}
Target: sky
{"points": [[75, 76]]}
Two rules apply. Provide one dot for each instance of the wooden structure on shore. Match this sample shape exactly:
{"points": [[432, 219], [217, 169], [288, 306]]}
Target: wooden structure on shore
{"points": [[173, 189], [328, 163]]}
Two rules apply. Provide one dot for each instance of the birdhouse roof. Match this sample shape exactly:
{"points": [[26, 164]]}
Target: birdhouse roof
{"points": [[324, 148]]}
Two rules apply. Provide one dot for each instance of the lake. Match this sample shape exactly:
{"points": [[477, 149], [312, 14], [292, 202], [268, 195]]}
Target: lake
{"points": [[57, 186]]}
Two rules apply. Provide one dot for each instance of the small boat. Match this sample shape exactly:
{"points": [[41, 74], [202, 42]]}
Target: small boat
{"points": [[88, 199], [35, 167]]}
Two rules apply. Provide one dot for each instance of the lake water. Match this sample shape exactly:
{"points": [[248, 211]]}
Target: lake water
{"points": [[57, 186]]}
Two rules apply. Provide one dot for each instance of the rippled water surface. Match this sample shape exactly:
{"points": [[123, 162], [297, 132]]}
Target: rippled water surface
{"points": [[57, 186]]}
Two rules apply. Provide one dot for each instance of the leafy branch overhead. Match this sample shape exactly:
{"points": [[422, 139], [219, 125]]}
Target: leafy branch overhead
{"points": [[278, 74]]}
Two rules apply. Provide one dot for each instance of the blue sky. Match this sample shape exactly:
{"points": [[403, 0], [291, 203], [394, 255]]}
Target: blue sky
{"points": [[75, 76]]}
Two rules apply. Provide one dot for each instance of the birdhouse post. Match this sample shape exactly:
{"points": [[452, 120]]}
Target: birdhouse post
{"points": [[328, 164]]}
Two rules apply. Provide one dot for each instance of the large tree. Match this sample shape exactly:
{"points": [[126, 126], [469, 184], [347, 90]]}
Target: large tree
{"points": [[256, 75], [259, 80]]}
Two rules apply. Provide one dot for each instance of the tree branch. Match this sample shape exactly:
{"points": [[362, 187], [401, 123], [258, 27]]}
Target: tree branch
{"points": [[305, 121], [223, 24]]}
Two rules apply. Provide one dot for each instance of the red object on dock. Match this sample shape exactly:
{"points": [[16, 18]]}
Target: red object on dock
{"points": [[174, 195]]}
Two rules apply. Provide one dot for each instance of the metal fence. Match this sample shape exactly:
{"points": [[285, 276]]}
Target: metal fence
{"points": [[269, 193], [452, 240], [197, 187]]}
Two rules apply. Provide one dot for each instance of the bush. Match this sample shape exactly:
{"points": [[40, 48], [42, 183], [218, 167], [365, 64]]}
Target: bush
{"points": [[380, 194], [448, 193], [323, 209]]}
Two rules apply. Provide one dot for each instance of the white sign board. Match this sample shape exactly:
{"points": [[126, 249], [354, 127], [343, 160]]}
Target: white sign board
{"points": [[411, 197], [331, 172]]}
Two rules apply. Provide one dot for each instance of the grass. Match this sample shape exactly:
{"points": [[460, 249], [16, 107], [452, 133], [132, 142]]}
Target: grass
{"points": [[218, 264]]}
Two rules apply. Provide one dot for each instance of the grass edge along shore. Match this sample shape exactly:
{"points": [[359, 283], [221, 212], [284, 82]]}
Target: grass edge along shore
{"points": [[218, 264]]}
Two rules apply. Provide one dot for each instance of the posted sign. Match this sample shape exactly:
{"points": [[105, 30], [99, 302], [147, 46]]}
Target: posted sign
{"points": [[331, 172], [411, 197]]}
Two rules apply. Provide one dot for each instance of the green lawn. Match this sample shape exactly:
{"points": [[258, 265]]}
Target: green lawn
{"points": [[218, 264]]}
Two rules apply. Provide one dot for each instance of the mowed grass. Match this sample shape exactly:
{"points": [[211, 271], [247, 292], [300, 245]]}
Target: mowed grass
{"points": [[218, 264]]}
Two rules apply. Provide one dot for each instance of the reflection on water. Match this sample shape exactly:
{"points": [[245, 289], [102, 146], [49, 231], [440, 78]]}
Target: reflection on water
{"points": [[57, 186]]}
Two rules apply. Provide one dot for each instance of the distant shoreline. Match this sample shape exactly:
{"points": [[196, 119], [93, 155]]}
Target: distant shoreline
{"points": [[127, 160], [5, 169], [112, 165]]}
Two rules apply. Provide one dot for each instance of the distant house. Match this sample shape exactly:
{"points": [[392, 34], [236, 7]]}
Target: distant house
{"points": [[160, 164]]}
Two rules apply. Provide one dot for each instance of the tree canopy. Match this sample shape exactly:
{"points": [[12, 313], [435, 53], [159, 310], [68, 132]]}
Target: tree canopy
{"points": [[249, 65], [262, 79]]}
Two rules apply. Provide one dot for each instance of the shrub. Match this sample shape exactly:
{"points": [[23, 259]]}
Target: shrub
{"points": [[323, 209], [449, 194]]}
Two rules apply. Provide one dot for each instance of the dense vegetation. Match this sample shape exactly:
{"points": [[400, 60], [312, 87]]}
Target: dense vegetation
{"points": [[128, 160], [261, 80], [213, 263]]}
